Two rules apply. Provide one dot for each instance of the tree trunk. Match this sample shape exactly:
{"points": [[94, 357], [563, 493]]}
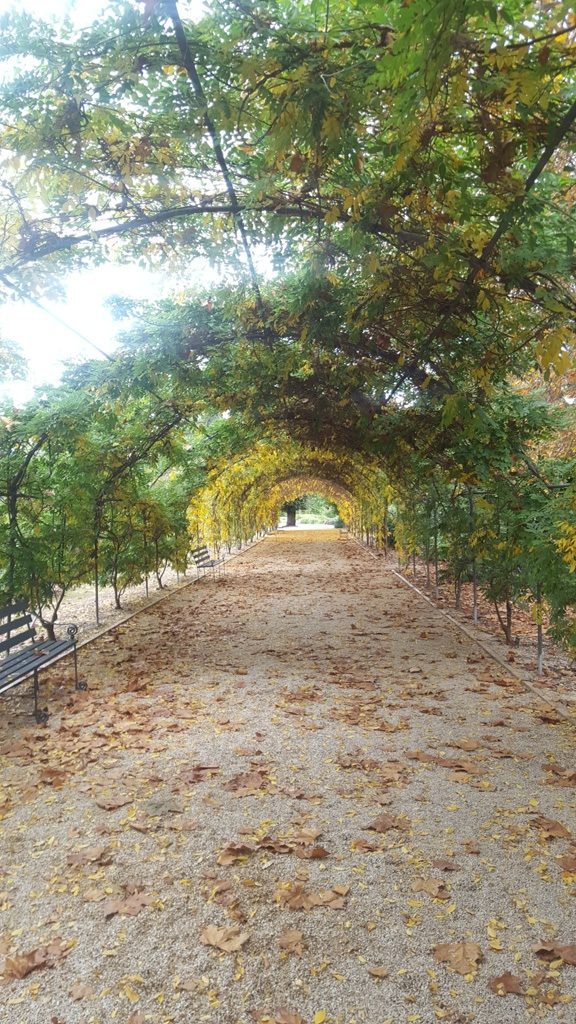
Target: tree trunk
{"points": [[506, 625], [291, 514]]}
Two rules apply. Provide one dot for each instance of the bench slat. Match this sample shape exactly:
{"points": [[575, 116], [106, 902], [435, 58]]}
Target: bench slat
{"points": [[13, 609], [19, 666], [14, 624], [13, 641]]}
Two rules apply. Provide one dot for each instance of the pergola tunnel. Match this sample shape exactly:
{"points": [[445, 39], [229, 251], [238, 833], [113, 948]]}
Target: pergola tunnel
{"points": [[245, 496]]}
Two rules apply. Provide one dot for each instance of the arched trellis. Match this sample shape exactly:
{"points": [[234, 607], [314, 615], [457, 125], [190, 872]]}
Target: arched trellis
{"points": [[244, 496], [294, 487]]}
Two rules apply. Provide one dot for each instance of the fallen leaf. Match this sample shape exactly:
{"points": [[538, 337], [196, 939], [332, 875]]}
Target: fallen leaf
{"points": [[227, 939], [311, 853], [81, 991], [22, 964], [433, 886], [471, 846], [387, 822], [445, 864], [295, 897], [463, 957], [247, 783], [291, 940], [307, 836], [506, 983], [567, 862], [378, 972], [551, 951], [90, 855], [130, 906], [281, 1016], [363, 846], [233, 853], [550, 828]]}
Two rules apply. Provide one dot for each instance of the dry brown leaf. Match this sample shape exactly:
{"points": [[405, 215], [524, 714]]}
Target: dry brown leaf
{"points": [[198, 773], [93, 895], [433, 886], [386, 822], [287, 1017], [233, 853], [445, 864], [506, 984], [281, 1016], [291, 941], [463, 957], [274, 845], [550, 828], [90, 855], [295, 897], [81, 991], [378, 972], [22, 964], [307, 836], [467, 745], [53, 777], [552, 951], [227, 939], [311, 853], [561, 776], [471, 846], [363, 846], [247, 783], [130, 906], [567, 862]]}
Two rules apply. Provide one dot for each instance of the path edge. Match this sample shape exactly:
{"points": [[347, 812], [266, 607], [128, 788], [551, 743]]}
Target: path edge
{"points": [[161, 597], [561, 709]]}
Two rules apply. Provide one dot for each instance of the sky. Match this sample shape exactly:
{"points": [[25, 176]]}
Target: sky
{"points": [[82, 11], [46, 343]]}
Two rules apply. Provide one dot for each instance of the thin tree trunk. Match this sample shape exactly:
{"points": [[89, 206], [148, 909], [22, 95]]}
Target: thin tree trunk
{"points": [[509, 621], [506, 625]]}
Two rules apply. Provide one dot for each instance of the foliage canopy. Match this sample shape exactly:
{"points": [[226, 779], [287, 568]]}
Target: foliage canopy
{"points": [[386, 190]]}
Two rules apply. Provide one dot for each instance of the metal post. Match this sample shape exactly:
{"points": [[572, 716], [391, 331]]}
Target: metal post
{"points": [[539, 629], [96, 590], [436, 576]]}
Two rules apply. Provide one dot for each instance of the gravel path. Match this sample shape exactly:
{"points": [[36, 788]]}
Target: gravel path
{"points": [[296, 795]]}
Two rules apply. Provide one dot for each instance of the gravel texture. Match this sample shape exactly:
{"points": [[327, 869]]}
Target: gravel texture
{"points": [[217, 783]]}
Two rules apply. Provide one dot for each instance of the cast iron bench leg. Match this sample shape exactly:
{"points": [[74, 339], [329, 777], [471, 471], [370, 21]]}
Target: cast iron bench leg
{"points": [[40, 716]]}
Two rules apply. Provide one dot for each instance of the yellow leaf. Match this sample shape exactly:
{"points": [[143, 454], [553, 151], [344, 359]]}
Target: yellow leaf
{"points": [[131, 994], [319, 1016]]}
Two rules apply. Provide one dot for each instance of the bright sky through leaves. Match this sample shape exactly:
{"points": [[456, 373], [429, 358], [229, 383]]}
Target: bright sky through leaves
{"points": [[45, 343]]}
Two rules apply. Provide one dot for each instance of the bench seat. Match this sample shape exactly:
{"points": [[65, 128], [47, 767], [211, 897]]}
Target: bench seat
{"points": [[32, 655]]}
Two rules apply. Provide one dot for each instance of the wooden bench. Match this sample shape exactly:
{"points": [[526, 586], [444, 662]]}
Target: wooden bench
{"points": [[17, 630], [203, 561]]}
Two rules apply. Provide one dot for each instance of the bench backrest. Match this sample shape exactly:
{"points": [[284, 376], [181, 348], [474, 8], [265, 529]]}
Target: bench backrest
{"points": [[15, 626], [201, 555]]}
